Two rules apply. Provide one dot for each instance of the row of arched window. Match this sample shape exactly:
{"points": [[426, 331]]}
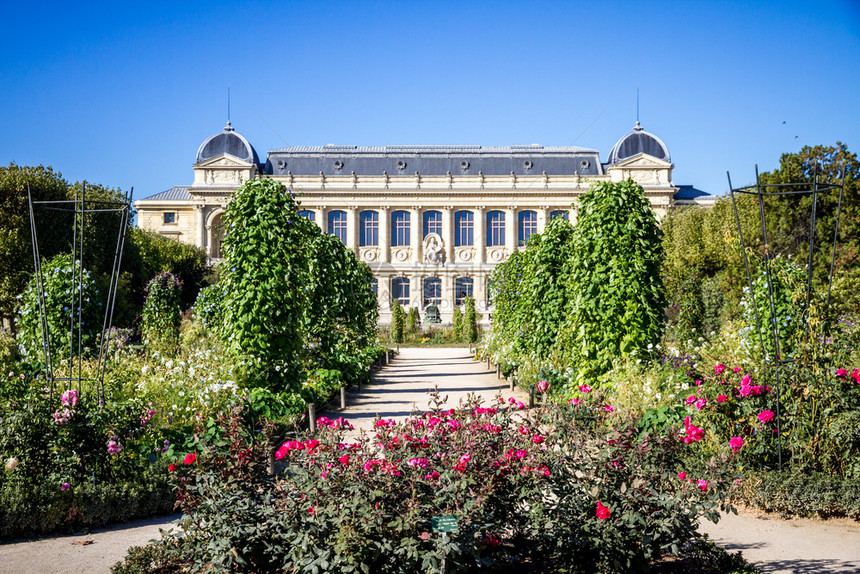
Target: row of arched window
{"points": [[463, 287], [464, 226]]}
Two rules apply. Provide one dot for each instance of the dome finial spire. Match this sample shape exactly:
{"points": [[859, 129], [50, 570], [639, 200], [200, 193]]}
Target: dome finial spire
{"points": [[228, 127]]}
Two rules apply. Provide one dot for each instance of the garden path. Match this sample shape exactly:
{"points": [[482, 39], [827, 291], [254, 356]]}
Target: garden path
{"points": [[774, 545], [404, 385]]}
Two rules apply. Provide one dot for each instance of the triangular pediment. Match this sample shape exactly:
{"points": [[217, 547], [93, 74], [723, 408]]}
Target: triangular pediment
{"points": [[642, 161], [223, 161]]}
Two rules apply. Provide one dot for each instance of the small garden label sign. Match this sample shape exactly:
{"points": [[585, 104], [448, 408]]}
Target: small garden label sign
{"points": [[444, 523]]}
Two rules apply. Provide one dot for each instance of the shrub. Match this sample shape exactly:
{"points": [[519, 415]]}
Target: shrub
{"points": [[161, 316], [615, 287], [397, 322], [507, 475], [457, 325], [470, 322], [412, 321], [801, 494]]}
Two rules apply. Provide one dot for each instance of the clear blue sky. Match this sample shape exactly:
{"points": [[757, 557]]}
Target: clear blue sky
{"points": [[123, 93]]}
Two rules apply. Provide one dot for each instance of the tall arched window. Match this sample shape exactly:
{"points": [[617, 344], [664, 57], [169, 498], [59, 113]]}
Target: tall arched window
{"points": [[462, 289], [432, 291], [400, 228], [495, 228], [400, 290], [337, 224], [307, 213], [368, 229], [527, 225], [563, 213], [432, 222], [464, 229]]}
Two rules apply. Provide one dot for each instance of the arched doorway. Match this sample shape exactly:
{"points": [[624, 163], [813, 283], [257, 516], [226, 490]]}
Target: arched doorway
{"points": [[216, 236]]}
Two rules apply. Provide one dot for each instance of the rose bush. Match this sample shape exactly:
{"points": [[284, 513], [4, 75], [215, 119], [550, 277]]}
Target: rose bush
{"points": [[561, 483]]}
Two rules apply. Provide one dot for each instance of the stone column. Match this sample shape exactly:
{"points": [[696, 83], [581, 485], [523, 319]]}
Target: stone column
{"points": [[384, 235], [322, 214], [480, 234], [479, 291], [447, 305], [415, 235], [448, 232], [200, 210], [352, 228], [543, 217], [416, 292], [511, 229]]}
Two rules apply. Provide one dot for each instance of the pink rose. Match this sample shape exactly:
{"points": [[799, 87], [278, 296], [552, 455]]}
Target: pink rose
{"points": [[682, 475], [190, 458], [585, 388], [855, 376], [765, 416], [719, 369], [691, 399], [722, 398], [702, 484], [542, 386], [736, 443], [700, 404]]}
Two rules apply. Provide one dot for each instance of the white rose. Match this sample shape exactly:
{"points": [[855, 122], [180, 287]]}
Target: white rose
{"points": [[11, 464]]}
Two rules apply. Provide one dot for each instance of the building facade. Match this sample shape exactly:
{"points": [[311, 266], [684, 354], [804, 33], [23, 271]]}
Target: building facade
{"points": [[432, 222]]}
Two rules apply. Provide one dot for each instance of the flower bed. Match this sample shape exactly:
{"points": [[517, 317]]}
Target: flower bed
{"points": [[571, 485]]}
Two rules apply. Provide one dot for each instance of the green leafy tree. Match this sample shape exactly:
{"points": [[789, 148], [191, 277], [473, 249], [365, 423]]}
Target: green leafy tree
{"points": [[470, 321], [161, 314], [16, 248], [412, 321], [398, 320], [615, 287], [265, 272], [158, 253]]}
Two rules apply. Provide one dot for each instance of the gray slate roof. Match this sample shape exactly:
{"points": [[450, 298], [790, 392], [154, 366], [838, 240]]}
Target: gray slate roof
{"points": [[178, 193], [433, 160], [688, 192]]}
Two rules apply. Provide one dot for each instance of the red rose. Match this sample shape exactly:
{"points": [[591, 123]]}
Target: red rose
{"points": [[190, 458], [171, 468], [602, 511]]}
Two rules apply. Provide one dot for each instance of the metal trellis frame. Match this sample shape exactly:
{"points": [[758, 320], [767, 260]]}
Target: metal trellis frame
{"points": [[80, 207], [761, 191]]}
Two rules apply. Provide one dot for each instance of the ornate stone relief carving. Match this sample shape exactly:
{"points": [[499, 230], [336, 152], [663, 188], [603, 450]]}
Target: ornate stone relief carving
{"points": [[434, 249]]}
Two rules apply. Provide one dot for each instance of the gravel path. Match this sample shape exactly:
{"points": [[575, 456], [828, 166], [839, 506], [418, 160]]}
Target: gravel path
{"points": [[776, 546]]}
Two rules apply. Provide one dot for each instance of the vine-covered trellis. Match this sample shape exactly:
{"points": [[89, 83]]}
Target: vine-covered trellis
{"points": [[80, 207], [762, 191]]}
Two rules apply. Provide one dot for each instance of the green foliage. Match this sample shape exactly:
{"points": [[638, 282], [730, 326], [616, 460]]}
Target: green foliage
{"points": [[614, 287], [398, 321], [37, 509], [529, 292], [292, 298], [339, 507], [788, 286], [207, 307], [62, 311], [158, 253], [690, 309], [160, 320], [412, 321], [802, 494], [457, 324], [265, 268], [470, 321], [16, 248]]}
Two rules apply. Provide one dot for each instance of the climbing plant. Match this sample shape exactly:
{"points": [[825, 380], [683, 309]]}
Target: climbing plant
{"points": [[161, 315], [614, 286]]}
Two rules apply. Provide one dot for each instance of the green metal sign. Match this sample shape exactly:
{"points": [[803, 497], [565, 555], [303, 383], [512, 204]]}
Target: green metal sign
{"points": [[445, 523]]}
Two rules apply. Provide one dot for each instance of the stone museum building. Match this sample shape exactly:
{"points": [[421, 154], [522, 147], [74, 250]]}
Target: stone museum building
{"points": [[431, 221]]}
